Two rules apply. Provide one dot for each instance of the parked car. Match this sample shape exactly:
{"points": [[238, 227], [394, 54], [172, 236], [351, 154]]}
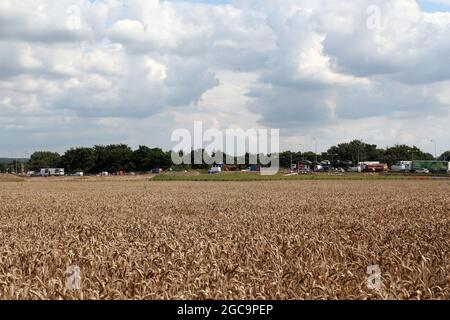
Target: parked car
{"points": [[422, 170], [318, 168], [304, 171], [215, 170]]}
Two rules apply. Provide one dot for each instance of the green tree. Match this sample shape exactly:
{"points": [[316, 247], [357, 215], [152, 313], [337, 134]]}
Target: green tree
{"points": [[404, 153], [44, 159], [2, 168], [356, 151], [146, 159], [287, 156], [79, 159], [310, 156], [113, 158], [445, 156]]}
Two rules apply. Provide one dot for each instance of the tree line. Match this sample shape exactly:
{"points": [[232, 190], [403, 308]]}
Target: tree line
{"points": [[358, 151], [117, 157], [110, 158]]}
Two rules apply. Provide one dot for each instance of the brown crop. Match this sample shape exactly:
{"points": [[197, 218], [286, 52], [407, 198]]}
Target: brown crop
{"points": [[225, 240]]}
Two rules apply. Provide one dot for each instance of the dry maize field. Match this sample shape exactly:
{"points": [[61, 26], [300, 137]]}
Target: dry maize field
{"points": [[224, 240]]}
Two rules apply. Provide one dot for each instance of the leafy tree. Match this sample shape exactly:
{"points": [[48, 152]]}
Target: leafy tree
{"points": [[44, 159], [404, 153], [287, 156], [2, 168], [356, 151], [113, 158], [145, 159], [161, 159], [445, 156], [310, 156], [142, 158], [79, 159]]}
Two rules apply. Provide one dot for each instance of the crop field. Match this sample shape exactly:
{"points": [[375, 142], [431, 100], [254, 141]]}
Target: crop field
{"points": [[143, 239]]}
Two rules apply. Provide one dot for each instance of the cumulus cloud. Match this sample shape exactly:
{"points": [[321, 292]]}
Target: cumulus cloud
{"points": [[77, 68]]}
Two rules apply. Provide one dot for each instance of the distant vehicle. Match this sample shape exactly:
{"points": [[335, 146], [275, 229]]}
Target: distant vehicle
{"points": [[368, 163], [318, 168], [157, 171], [248, 169], [51, 172], [355, 169], [79, 174], [104, 174], [215, 170], [31, 173], [346, 163], [431, 166], [402, 166], [422, 170], [303, 167], [374, 167], [399, 168]]}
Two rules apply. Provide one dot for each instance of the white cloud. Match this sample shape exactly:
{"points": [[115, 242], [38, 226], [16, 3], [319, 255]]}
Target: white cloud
{"points": [[134, 70]]}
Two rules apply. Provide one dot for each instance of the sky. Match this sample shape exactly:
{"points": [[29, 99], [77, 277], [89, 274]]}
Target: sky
{"points": [[433, 5], [84, 72]]}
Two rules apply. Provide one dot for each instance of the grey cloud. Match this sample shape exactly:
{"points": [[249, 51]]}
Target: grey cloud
{"points": [[348, 76], [294, 107]]}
